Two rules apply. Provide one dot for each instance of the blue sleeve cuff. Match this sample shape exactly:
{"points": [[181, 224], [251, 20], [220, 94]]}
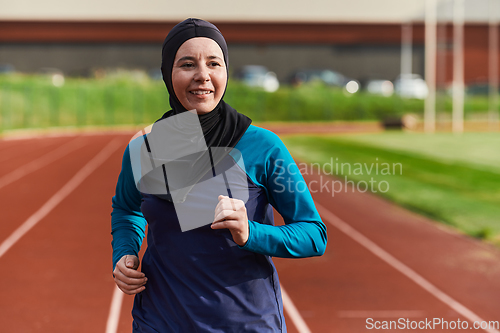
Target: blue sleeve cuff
{"points": [[294, 240]]}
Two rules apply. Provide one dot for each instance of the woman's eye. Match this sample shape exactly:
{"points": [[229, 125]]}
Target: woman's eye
{"points": [[214, 63], [187, 64]]}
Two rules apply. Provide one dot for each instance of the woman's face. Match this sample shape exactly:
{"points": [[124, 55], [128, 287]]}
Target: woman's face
{"points": [[199, 74]]}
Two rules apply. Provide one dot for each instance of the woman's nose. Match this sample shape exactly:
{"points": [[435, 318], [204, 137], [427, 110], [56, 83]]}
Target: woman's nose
{"points": [[202, 74]]}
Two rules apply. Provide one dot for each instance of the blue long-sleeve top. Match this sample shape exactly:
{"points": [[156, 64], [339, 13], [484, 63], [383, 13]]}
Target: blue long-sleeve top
{"points": [[208, 259]]}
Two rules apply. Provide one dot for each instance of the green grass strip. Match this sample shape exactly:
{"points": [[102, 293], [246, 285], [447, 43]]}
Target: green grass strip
{"points": [[478, 150]]}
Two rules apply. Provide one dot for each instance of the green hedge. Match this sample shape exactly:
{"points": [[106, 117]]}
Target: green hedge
{"points": [[33, 101], [28, 101]]}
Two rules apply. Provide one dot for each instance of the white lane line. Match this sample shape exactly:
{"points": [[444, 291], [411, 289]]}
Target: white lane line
{"points": [[293, 313], [59, 196], [380, 314], [114, 311], [399, 266], [40, 162]]}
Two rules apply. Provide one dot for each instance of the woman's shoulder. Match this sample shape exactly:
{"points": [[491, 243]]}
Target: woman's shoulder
{"points": [[259, 143], [262, 135]]}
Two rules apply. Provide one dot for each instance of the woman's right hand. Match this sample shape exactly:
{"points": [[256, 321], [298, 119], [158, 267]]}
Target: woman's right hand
{"points": [[127, 278]]}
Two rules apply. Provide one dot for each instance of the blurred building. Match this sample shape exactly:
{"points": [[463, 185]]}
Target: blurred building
{"points": [[359, 38]]}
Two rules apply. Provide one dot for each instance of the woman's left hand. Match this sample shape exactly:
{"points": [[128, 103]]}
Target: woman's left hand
{"points": [[232, 214]]}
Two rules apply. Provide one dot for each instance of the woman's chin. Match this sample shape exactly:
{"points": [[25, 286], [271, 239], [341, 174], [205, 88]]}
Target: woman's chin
{"points": [[202, 108]]}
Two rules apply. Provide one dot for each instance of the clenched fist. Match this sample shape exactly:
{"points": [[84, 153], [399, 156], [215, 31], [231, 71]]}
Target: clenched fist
{"points": [[232, 214], [127, 277]]}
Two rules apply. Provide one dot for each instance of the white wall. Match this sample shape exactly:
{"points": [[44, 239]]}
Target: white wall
{"points": [[220, 10]]}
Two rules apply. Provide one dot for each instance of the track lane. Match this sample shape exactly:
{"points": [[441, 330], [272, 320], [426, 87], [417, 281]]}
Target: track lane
{"points": [[59, 273], [36, 163], [58, 197], [23, 197], [15, 150]]}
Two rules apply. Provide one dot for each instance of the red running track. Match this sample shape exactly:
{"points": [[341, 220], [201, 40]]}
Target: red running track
{"points": [[382, 261]]}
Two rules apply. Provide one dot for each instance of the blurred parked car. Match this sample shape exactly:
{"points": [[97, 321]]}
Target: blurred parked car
{"points": [[155, 74], [380, 87], [411, 86], [326, 76], [6, 69], [476, 88], [258, 76]]}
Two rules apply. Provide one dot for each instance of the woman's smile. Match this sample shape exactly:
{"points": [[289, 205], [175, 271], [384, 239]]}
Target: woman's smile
{"points": [[201, 92]]}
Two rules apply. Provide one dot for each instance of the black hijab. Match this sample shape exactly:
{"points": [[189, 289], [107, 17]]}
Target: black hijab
{"points": [[223, 126]]}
